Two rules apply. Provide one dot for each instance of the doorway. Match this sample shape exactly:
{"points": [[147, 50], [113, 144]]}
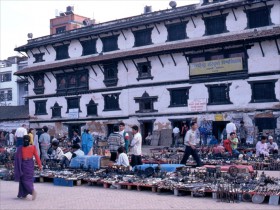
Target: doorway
{"points": [[72, 127], [217, 129], [146, 128]]}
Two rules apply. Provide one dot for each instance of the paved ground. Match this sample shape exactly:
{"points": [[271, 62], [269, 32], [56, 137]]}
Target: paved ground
{"points": [[96, 197]]}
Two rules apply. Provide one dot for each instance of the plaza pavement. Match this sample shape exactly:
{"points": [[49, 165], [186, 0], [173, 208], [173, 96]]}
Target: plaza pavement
{"points": [[96, 197]]}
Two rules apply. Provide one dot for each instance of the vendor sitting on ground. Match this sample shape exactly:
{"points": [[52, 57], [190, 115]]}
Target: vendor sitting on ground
{"points": [[234, 142], [76, 151], [227, 146], [261, 148], [213, 141], [122, 158], [55, 152], [272, 146]]}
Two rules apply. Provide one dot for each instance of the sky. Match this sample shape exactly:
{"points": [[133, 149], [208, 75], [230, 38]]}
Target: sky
{"points": [[20, 17]]}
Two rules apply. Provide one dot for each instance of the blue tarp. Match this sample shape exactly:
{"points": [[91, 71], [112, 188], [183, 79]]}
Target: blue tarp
{"points": [[87, 161], [163, 167]]}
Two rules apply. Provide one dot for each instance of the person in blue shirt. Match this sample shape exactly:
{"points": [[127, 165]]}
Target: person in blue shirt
{"points": [[213, 141], [87, 141]]}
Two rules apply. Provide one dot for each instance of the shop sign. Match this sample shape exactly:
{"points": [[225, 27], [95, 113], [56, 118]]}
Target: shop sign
{"points": [[197, 105], [216, 66], [73, 113], [219, 117]]}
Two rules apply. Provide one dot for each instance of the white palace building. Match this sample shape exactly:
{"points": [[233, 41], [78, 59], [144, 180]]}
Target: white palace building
{"points": [[212, 62]]}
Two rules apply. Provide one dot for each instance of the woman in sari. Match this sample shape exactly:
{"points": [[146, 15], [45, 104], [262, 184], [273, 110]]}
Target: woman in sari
{"points": [[24, 168]]}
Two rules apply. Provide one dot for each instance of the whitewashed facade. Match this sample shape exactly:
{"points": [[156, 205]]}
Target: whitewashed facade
{"points": [[149, 74]]}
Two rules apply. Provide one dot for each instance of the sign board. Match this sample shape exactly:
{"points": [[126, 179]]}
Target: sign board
{"points": [[216, 66], [219, 117], [73, 113], [197, 105]]}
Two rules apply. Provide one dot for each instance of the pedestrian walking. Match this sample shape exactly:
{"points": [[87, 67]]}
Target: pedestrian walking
{"points": [[44, 141], [125, 136], [20, 132], [87, 141], [136, 147], [115, 140], [24, 168], [191, 141]]}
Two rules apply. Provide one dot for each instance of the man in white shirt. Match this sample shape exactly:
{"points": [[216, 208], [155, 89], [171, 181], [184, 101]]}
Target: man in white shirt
{"points": [[191, 142], [176, 135], [272, 146], [261, 147], [20, 132], [136, 147], [230, 128], [122, 158]]}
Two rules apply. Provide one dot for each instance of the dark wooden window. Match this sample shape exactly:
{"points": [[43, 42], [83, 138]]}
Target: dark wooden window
{"points": [[61, 52], [111, 102], [143, 37], [265, 123], [73, 103], [6, 77], [176, 31], [73, 82], [218, 94], [40, 107], [9, 95], [179, 97], [91, 108], [39, 84], [110, 74], [215, 24], [110, 43], [89, 47], [146, 103], [258, 17], [60, 29], [56, 110], [263, 91], [39, 57], [144, 70], [2, 96]]}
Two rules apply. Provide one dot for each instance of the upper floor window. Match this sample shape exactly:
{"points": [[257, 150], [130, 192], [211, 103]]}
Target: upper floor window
{"points": [[263, 91], [91, 108], [176, 31], [110, 74], [39, 57], [218, 94], [61, 52], [72, 82], [6, 77], [110, 43], [6, 95], [73, 103], [39, 87], [259, 17], [89, 47], [144, 70], [146, 103], [215, 24], [143, 37], [40, 107], [56, 110], [60, 29], [179, 96], [111, 102]]}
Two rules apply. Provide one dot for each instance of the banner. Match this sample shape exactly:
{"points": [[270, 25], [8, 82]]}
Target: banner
{"points": [[216, 66], [197, 105]]}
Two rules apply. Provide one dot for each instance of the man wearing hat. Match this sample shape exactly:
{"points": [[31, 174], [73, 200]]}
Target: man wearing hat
{"points": [[136, 147], [272, 146]]}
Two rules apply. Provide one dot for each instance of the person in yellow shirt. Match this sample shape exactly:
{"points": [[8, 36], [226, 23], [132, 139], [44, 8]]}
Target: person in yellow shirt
{"points": [[30, 134]]}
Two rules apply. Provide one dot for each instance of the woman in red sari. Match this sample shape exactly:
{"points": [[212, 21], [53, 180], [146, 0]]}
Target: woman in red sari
{"points": [[24, 168]]}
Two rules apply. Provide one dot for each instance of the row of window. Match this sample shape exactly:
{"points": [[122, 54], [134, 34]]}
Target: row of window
{"points": [[78, 81], [257, 17], [262, 91], [6, 77], [6, 95]]}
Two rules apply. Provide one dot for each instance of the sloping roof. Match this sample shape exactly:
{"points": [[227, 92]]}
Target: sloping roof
{"points": [[243, 37], [14, 113]]}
